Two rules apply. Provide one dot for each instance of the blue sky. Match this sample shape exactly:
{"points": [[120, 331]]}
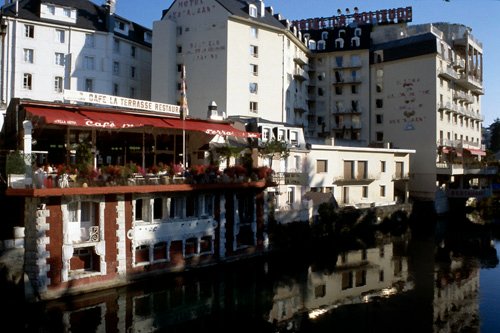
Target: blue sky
{"points": [[480, 15]]}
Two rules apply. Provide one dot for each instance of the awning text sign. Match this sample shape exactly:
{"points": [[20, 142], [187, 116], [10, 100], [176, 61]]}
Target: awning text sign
{"points": [[123, 102]]}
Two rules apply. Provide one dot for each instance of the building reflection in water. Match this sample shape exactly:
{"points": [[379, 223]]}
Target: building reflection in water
{"points": [[386, 286]]}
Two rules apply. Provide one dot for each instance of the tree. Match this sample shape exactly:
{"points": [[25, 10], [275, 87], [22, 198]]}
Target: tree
{"points": [[274, 149], [228, 151], [495, 135]]}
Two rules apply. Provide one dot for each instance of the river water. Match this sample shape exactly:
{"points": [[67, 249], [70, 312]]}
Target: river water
{"points": [[437, 281]]}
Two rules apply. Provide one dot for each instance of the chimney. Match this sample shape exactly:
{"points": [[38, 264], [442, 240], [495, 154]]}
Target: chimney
{"points": [[213, 113], [111, 6], [261, 8]]}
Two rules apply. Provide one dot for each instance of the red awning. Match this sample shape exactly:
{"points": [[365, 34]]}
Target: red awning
{"points": [[478, 152], [58, 116], [121, 120], [447, 150], [209, 127]]}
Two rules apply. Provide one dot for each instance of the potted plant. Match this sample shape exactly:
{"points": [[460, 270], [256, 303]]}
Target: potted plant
{"points": [[16, 165]]}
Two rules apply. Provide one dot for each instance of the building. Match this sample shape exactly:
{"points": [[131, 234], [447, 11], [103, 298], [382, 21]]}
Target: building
{"points": [[376, 80], [360, 176], [88, 227], [239, 54], [52, 46]]}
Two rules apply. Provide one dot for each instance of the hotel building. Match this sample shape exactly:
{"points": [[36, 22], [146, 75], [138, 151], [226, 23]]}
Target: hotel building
{"points": [[57, 45]]}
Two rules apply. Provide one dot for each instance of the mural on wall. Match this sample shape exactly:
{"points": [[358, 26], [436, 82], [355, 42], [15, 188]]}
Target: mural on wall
{"points": [[205, 49], [408, 103]]}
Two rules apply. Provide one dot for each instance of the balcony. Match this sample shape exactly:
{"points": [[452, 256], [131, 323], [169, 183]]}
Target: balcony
{"points": [[470, 81], [301, 75], [349, 80], [349, 180], [348, 65], [447, 73]]}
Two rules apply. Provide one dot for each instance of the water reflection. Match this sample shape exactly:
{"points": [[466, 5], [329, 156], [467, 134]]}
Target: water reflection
{"points": [[412, 284]]}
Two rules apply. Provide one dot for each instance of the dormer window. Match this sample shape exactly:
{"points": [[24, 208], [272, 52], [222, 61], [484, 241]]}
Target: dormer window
{"points": [[58, 13], [148, 37], [324, 35], [312, 45], [321, 45], [121, 27], [252, 10]]}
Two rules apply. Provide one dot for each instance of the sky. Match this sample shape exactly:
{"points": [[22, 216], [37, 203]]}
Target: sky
{"points": [[480, 15]]}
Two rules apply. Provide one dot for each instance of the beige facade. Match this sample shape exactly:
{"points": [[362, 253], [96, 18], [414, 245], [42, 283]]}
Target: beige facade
{"points": [[430, 101], [251, 66], [360, 177]]}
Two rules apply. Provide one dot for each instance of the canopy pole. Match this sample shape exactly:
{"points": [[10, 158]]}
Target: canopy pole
{"points": [[143, 150]]}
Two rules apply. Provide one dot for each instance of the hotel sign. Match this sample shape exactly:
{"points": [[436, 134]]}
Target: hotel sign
{"points": [[122, 102], [383, 16]]}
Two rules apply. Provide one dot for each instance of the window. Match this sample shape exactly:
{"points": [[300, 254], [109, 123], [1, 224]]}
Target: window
{"points": [[347, 280], [379, 103], [321, 166], [148, 37], [253, 87], [321, 45], [354, 89], [29, 31], [281, 135], [67, 12], [362, 170], [291, 195], [59, 59], [28, 55], [254, 69], [116, 45], [379, 118], [116, 68], [382, 190], [58, 84], [132, 72], [400, 170], [254, 107], [89, 85], [179, 49], [360, 278], [320, 92], [266, 134], [89, 63], [60, 36], [254, 32], [51, 9], [365, 192], [320, 291], [379, 136], [89, 40], [254, 50], [132, 51], [382, 166], [252, 10], [132, 92], [379, 88], [348, 170], [116, 89], [27, 81], [338, 90]]}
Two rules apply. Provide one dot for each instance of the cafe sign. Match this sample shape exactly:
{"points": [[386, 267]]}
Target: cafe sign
{"points": [[122, 102]]}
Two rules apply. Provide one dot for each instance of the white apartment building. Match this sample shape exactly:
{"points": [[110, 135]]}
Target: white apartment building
{"points": [[239, 54], [50, 46], [360, 176], [430, 100]]}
